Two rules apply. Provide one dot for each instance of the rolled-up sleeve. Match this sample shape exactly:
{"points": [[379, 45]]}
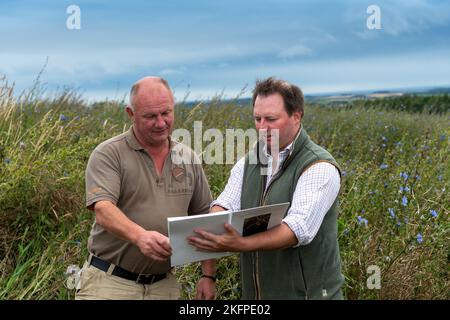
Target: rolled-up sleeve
{"points": [[230, 198], [315, 193]]}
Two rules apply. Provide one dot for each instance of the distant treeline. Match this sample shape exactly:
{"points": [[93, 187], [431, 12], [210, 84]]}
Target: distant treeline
{"points": [[437, 104]]}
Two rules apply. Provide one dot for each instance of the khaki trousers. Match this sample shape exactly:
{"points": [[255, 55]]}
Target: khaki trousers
{"points": [[99, 285]]}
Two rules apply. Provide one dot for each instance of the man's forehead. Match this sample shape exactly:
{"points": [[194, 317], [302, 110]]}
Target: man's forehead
{"points": [[156, 109]]}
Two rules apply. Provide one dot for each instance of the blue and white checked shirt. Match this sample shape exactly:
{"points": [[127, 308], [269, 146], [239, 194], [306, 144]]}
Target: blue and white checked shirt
{"points": [[315, 193]]}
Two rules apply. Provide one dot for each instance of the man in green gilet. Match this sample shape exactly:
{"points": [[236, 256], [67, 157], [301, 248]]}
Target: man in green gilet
{"points": [[299, 259]]}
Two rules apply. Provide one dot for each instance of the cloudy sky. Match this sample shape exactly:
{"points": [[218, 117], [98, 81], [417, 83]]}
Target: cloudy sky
{"points": [[208, 47]]}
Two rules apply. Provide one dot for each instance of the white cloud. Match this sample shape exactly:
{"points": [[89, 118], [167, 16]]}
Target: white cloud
{"points": [[295, 51]]}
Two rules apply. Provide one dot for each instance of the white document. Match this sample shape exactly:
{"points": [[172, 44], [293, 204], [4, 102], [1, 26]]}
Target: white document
{"points": [[246, 222]]}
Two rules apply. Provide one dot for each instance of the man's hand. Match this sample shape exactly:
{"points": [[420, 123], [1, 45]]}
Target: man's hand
{"points": [[231, 240], [206, 289], [154, 245]]}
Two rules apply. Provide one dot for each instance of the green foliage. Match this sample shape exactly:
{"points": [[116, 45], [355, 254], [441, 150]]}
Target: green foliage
{"points": [[438, 104], [387, 155]]}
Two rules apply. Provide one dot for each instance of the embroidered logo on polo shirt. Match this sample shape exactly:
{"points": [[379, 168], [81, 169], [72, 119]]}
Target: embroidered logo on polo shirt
{"points": [[178, 173], [95, 190]]}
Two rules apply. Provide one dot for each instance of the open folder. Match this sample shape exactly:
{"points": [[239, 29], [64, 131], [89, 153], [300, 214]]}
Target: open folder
{"points": [[246, 222]]}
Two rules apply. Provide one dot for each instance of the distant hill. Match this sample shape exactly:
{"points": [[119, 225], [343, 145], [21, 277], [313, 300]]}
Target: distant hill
{"points": [[341, 98]]}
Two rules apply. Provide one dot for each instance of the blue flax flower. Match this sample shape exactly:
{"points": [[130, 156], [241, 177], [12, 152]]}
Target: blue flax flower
{"points": [[391, 212], [384, 166], [434, 213], [405, 201], [362, 221], [404, 175], [62, 117], [419, 238]]}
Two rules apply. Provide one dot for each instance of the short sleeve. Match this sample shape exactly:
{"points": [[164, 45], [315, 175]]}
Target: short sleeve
{"points": [[102, 177], [201, 198]]}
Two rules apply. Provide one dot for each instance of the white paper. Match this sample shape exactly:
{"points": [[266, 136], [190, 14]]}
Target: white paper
{"points": [[254, 219], [181, 227]]}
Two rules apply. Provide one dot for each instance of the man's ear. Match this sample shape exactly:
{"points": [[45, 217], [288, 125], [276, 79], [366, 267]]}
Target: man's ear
{"points": [[129, 112], [297, 116]]}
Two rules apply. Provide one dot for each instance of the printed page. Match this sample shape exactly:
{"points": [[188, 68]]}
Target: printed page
{"points": [[259, 219], [181, 227]]}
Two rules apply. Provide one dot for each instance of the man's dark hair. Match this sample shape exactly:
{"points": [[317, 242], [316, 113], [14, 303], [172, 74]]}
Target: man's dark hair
{"points": [[292, 95]]}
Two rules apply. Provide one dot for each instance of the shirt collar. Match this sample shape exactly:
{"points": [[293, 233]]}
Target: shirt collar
{"points": [[132, 140], [288, 148]]}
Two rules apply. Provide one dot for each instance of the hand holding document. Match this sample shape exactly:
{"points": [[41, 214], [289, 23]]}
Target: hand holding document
{"points": [[246, 222]]}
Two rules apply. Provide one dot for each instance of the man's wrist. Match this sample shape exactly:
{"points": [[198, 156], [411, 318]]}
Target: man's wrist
{"points": [[213, 278]]}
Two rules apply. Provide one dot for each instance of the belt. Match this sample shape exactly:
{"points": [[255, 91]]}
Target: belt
{"points": [[125, 274]]}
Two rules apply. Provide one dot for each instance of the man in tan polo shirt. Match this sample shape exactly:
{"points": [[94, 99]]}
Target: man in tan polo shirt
{"points": [[134, 181]]}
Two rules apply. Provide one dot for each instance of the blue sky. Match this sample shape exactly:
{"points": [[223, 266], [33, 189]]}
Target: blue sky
{"points": [[209, 47]]}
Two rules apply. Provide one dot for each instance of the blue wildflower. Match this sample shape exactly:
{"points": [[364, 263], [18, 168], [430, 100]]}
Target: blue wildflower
{"points": [[362, 221], [419, 238], [417, 177], [406, 189], [62, 117], [384, 138], [405, 201], [384, 166], [439, 177], [442, 137], [433, 213], [404, 175], [398, 224], [391, 212]]}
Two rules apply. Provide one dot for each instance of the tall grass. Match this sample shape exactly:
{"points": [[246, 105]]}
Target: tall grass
{"points": [[394, 196]]}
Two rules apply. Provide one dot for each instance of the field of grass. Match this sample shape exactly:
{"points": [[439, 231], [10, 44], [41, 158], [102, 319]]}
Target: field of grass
{"points": [[395, 198]]}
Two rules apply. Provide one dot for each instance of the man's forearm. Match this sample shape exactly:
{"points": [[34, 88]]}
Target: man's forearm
{"points": [[115, 221], [279, 237], [209, 267]]}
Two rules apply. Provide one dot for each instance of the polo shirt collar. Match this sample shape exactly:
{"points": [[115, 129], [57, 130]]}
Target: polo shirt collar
{"points": [[132, 141]]}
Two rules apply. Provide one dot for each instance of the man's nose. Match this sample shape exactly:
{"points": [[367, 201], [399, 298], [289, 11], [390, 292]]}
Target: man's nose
{"points": [[263, 124], [160, 122]]}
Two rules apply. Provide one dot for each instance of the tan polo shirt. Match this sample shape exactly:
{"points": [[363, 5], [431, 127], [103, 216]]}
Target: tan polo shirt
{"points": [[121, 171]]}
